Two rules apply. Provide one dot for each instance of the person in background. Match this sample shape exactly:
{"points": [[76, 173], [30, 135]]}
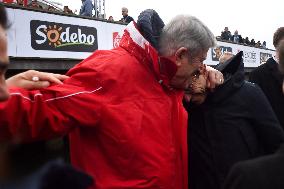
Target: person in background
{"points": [[268, 78], [246, 41], [22, 2], [235, 123], [121, 140], [110, 18], [263, 44], [34, 4], [67, 10], [51, 8], [125, 17], [226, 34], [258, 44], [264, 172], [86, 8], [252, 42], [236, 38]]}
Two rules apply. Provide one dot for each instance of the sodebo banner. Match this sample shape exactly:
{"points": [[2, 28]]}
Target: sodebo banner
{"points": [[32, 35], [62, 37]]}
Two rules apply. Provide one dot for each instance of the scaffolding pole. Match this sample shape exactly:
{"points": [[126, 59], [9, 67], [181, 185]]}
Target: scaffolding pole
{"points": [[99, 7]]}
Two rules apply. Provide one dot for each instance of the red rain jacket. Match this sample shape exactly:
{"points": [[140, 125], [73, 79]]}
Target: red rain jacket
{"points": [[127, 129]]}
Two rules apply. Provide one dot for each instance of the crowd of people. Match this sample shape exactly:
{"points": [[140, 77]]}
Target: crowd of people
{"points": [[34, 4], [126, 111], [237, 38], [86, 9]]}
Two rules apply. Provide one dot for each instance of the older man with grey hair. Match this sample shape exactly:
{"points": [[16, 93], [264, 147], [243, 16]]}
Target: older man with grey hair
{"points": [[125, 17], [186, 41], [122, 108]]}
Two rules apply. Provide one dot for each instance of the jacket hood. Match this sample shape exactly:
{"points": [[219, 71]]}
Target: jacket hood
{"points": [[150, 25], [234, 78]]}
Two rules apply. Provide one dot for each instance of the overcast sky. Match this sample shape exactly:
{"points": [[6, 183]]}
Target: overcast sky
{"points": [[253, 19]]}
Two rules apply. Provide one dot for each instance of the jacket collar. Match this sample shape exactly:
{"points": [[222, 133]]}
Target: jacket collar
{"points": [[133, 41], [228, 88], [235, 67]]}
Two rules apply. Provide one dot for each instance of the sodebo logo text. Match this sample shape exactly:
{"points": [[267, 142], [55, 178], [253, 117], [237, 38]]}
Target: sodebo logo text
{"points": [[62, 37]]}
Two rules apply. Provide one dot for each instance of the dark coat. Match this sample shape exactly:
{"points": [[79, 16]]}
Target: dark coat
{"points": [[240, 40], [268, 77], [226, 35], [127, 19], [262, 173], [238, 123]]}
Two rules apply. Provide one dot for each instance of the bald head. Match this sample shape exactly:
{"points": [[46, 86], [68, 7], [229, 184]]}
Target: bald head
{"points": [[226, 56]]}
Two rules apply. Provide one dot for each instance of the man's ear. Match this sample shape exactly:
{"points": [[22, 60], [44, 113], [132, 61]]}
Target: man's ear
{"points": [[180, 54]]}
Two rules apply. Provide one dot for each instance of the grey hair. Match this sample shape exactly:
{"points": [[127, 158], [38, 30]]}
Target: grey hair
{"points": [[124, 9], [185, 31]]}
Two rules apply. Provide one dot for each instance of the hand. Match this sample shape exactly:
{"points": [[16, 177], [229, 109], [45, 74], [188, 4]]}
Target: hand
{"points": [[35, 80], [198, 85], [214, 78], [197, 90], [198, 98]]}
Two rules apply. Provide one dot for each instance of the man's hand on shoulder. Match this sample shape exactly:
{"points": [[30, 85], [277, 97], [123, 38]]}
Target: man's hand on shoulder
{"points": [[35, 80], [214, 79]]}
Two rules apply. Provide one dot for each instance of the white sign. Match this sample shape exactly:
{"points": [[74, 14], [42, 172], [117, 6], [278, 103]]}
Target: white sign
{"points": [[252, 56], [45, 35]]}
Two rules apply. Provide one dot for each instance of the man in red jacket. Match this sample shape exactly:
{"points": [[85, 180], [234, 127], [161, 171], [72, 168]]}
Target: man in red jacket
{"points": [[122, 108]]}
